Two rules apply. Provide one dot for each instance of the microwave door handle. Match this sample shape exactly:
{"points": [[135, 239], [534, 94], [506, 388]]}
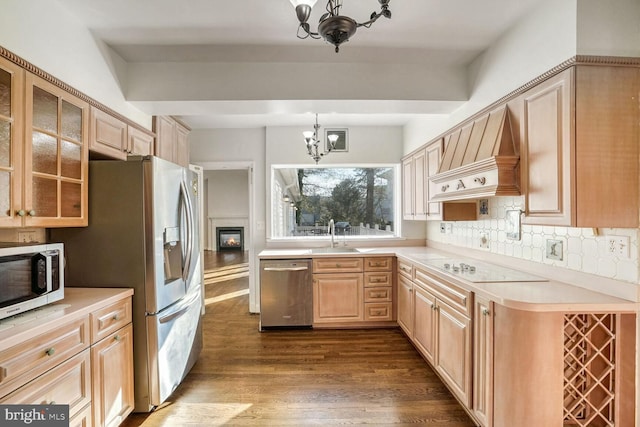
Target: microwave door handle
{"points": [[49, 261]]}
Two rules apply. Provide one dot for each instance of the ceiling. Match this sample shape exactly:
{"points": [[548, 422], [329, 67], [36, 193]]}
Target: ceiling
{"points": [[424, 32]]}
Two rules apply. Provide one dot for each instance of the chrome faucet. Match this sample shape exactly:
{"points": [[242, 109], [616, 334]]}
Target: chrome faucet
{"points": [[332, 231]]}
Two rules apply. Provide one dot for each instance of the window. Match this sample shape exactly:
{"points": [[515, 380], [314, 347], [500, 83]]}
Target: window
{"points": [[362, 201]]}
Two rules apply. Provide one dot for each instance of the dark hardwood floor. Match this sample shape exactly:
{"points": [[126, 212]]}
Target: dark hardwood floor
{"points": [[300, 377]]}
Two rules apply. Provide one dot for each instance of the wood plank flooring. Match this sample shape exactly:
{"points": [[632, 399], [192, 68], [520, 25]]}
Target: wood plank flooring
{"points": [[301, 377]]}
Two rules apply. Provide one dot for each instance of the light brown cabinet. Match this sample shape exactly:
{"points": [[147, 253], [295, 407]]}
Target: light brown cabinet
{"points": [[86, 361], [433, 157], [56, 157], [112, 367], [483, 361], [414, 189], [172, 142], [44, 156], [444, 333], [111, 137], [580, 149], [351, 290], [435, 315], [11, 142], [405, 297]]}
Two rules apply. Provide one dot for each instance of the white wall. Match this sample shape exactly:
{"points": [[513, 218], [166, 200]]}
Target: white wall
{"points": [[228, 193], [541, 40], [43, 33]]}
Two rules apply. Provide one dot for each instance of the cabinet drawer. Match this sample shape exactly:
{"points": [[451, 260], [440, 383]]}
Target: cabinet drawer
{"points": [[378, 311], [67, 384], [379, 294], [455, 296], [337, 265], [23, 362], [109, 319], [405, 269], [378, 264], [83, 418], [378, 279]]}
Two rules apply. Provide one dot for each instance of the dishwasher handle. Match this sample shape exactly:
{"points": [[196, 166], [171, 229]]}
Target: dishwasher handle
{"points": [[301, 268]]}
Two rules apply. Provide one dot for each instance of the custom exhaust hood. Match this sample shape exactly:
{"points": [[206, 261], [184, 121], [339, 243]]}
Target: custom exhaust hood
{"points": [[480, 160]]}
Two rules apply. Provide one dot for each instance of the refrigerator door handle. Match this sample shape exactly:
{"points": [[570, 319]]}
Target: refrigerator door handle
{"points": [[189, 237]]}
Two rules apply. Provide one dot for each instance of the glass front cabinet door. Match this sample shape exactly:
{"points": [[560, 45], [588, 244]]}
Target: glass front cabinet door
{"points": [[56, 157], [11, 142]]}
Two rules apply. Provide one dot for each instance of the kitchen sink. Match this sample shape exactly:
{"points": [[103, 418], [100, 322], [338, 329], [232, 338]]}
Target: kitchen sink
{"points": [[333, 250]]}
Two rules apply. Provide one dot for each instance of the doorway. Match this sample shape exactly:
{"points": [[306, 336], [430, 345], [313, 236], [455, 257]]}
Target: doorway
{"points": [[231, 208]]}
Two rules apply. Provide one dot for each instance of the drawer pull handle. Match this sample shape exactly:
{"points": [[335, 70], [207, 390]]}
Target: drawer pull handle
{"points": [[50, 351], [337, 265]]}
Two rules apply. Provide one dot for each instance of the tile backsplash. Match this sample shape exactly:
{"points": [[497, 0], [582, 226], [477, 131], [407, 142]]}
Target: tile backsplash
{"points": [[582, 249]]}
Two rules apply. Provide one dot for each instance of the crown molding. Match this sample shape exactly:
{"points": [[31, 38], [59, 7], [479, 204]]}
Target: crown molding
{"points": [[28, 66]]}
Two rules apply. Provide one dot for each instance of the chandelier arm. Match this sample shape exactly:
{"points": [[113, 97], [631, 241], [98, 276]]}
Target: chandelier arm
{"points": [[306, 32]]}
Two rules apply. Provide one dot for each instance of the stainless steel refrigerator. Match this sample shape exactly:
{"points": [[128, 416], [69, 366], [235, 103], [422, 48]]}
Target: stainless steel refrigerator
{"points": [[143, 233]]}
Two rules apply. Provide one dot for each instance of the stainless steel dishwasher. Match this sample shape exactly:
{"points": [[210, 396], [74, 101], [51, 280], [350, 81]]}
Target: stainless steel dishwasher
{"points": [[286, 294]]}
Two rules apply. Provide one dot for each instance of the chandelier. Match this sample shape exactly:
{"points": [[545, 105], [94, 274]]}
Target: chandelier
{"points": [[333, 27], [313, 143]]}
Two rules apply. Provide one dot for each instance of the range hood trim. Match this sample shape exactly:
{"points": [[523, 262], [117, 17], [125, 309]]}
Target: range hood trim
{"points": [[492, 170]]}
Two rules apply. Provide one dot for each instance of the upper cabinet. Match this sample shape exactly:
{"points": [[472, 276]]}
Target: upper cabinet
{"points": [[414, 194], [171, 140], [55, 157], [11, 146], [114, 138], [580, 148]]}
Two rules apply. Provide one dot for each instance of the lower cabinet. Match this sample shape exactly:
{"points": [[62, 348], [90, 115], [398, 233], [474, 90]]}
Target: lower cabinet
{"points": [[112, 366], [85, 360], [337, 297], [435, 315], [352, 291], [483, 361]]}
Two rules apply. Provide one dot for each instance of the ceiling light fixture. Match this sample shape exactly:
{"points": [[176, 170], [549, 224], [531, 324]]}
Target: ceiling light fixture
{"points": [[333, 27], [313, 143]]}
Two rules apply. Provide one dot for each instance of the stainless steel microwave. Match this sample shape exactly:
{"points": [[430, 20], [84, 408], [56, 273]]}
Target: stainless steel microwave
{"points": [[31, 275]]}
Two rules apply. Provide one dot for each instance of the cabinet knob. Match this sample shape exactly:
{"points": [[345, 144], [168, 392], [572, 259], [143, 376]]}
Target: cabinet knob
{"points": [[116, 317], [32, 213], [50, 351], [21, 212], [117, 338], [485, 311]]}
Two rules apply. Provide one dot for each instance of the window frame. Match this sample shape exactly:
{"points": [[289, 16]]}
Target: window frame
{"points": [[274, 197]]}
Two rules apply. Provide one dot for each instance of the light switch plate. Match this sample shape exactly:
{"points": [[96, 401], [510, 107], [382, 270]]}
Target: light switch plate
{"points": [[554, 249]]}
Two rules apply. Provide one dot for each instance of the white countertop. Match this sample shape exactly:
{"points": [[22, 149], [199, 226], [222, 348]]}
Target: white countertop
{"points": [[551, 295]]}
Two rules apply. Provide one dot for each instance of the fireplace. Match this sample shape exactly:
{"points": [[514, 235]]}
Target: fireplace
{"points": [[229, 238]]}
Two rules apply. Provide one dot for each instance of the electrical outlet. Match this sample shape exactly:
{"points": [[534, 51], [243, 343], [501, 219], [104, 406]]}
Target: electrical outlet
{"points": [[618, 245], [484, 241], [554, 249], [26, 236]]}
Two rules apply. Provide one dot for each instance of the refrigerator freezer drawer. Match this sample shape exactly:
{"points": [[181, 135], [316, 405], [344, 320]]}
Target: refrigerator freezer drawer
{"points": [[176, 333]]}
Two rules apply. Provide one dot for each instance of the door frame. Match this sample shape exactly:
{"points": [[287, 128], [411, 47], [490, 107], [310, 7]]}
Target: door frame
{"points": [[249, 166]]}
